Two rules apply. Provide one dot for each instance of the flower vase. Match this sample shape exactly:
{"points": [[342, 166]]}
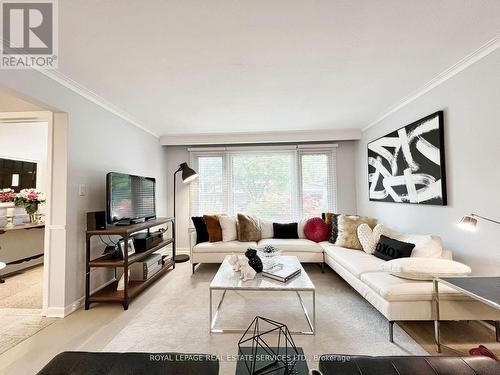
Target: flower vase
{"points": [[31, 210]]}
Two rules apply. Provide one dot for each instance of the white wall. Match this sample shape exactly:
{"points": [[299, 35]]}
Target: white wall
{"points": [[98, 142], [346, 194], [27, 142], [470, 101]]}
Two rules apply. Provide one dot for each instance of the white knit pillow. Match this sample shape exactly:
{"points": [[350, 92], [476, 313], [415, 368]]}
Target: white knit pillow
{"points": [[425, 268], [228, 226], [365, 234], [369, 238]]}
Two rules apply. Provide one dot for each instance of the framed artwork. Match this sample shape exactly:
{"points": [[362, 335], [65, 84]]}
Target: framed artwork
{"points": [[408, 165], [131, 247]]}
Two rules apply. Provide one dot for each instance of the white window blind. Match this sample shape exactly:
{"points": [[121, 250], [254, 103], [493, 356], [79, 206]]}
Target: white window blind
{"points": [[277, 183]]}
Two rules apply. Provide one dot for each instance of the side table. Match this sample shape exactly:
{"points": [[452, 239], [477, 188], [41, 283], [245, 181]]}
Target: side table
{"points": [[481, 288]]}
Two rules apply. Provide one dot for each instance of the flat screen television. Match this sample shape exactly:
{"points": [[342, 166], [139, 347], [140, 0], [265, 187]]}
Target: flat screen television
{"points": [[130, 199]]}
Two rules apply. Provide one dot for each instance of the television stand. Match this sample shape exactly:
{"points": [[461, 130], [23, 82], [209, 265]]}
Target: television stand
{"points": [[131, 288]]}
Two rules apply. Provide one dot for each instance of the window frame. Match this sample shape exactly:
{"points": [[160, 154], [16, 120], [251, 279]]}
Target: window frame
{"points": [[297, 152]]}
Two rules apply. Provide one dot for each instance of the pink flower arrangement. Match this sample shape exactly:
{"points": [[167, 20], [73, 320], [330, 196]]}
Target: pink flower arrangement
{"points": [[7, 195], [30, 199]]}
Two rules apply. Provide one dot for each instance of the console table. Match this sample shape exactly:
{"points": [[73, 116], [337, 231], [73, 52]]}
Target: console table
{"points": [[483, 289], [134, 287], [21, 246]]}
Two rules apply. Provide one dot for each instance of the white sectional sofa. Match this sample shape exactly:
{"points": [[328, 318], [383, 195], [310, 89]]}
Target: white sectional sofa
{"points": [[214, 252], [396, 298]]}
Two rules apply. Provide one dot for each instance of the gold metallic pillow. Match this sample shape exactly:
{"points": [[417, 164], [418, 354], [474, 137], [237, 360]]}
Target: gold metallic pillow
{"points": [[348, 230], [248, 229]]}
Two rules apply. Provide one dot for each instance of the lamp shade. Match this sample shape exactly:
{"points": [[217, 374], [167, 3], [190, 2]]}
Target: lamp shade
{"points": [[468, 223], [188, 174]]}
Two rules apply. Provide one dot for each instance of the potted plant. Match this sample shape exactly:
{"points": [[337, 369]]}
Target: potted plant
{"points": [[30, 199]]}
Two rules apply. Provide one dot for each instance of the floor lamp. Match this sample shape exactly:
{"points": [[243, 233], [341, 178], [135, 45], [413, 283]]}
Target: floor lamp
{"points": [[188, 175], [469, 222]]}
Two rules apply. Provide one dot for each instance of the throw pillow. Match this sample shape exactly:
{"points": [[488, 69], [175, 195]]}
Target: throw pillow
{"points": [[365, 234], [426, 246], [348, 230], [389, 249], [369, 238], [425, 268], [201, 229], [332, 220], [316, 229], [266, 229], [213, 227], [248, 228], [228, 226], [300, 228], [284, 231]]}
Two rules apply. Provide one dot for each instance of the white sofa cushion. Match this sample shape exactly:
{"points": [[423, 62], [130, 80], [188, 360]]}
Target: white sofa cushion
{"points": [[425, 268], [393, 288], [223, 247], [292, 245], [355, 261], [228, 226], [266, 229]]}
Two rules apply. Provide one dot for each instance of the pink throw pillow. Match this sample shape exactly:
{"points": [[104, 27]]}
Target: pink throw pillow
{"points": [[316, 229]]}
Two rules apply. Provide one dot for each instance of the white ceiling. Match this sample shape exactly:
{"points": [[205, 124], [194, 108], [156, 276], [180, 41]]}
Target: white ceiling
{"points": [[238, 66]]}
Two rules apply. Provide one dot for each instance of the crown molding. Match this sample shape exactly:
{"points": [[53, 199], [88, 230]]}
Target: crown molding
{"points": [[463, 64], [198, 139], [90, 95]]}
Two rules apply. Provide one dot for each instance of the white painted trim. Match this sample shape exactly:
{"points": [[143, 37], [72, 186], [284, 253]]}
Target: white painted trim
{"points": [[92, 96], [62, 312], [260, 137], [322, 146], [56, 227], [463, 64]]}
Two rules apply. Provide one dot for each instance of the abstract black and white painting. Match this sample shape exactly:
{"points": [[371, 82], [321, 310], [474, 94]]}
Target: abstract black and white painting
{"points": [[407, 165]]}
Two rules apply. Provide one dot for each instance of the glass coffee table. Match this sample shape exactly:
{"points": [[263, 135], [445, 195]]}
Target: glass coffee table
{"points": [[483, 289], [228, 280]]}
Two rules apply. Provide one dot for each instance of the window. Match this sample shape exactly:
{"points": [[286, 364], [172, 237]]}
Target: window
{"points": [[277, 183]]}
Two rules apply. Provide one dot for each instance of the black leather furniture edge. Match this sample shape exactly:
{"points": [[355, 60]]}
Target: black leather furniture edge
{"points": [[85, 363], [339, 364]]}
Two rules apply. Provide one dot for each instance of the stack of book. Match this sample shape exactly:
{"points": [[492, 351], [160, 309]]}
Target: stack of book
{"points": [[146, 268], [282, 272]]}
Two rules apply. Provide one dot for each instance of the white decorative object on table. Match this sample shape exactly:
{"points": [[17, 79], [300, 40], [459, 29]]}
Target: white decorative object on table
{"points": [[242, 262], [247, 272], [233, 259], [269, 255], [10, 217]]}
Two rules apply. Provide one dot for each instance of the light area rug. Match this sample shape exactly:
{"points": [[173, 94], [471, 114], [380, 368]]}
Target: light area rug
{"points": [[16, 325], [177, 319], [23, 289]]}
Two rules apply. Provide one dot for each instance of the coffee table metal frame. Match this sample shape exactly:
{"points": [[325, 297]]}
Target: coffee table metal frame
{"points": [[311, 320]]}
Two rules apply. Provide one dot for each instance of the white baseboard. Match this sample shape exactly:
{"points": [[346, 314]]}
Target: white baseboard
{"points": [[62, 312]]}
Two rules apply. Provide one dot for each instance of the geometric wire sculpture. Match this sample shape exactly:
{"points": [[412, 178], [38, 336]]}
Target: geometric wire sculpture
{"points": [[280, 357]]}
